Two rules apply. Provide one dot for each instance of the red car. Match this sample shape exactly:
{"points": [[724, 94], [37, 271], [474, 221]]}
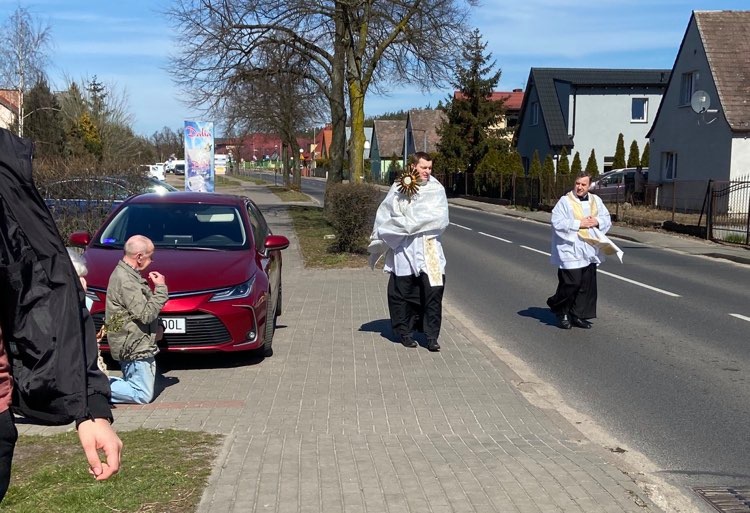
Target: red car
{"points": [[221, 262]]}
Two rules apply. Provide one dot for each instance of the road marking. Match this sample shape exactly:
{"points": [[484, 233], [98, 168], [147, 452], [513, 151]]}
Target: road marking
{"points": [[536, 250], [464, 227], [493, 237], [743, 317], [655, 289]]}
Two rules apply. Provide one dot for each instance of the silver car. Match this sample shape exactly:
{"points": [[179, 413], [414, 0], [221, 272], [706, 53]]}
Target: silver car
{"points": [[619, 185]]}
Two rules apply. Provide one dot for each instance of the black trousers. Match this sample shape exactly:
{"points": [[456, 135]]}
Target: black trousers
{"points": [[414, 305], [8, 438], [576, 293]]}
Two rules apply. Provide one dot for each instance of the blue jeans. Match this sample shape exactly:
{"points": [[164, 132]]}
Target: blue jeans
{"points": [[137, 382]]}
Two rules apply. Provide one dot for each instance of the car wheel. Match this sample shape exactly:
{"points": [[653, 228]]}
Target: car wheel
{"points": [[270, 329]]}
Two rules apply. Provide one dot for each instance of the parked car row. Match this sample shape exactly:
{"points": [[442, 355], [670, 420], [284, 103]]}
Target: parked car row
{"points": [[76, 195]]}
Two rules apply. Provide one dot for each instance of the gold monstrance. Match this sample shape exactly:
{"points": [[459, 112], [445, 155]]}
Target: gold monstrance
{"points": [[408, 183]]}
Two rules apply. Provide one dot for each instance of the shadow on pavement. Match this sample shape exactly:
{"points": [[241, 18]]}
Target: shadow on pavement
{"points": [[382, 326], [543, 315]]}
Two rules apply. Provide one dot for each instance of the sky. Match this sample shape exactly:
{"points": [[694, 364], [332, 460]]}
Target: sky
{"points": [[127, 45]]}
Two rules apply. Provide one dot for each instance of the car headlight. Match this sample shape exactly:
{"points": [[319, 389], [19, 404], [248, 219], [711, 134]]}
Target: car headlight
{"points": [[236, 292], [92, 295]]}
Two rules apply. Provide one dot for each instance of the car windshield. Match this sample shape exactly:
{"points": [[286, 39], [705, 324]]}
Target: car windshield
{"points": [[177, 225]]}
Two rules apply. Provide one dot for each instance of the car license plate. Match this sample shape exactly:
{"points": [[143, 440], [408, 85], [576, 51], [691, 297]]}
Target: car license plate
{"points": [[174, 325]]}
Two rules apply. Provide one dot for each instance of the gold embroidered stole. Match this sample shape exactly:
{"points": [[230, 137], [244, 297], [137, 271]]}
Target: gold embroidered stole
{"points": [[432, 260], [578, 213]]}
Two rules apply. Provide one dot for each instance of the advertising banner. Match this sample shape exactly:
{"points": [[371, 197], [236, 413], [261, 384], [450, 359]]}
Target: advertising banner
{"points": [[199, 156]]}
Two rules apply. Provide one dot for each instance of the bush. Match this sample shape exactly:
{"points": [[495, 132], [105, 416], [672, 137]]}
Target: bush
{"points": [[350, 208]]}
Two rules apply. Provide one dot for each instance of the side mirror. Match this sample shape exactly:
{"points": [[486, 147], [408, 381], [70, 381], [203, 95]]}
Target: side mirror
{"points": [[276, 242], [79, 239]]}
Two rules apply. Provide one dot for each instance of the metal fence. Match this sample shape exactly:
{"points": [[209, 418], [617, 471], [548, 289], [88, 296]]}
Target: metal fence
{"points": [[729, 211], [716, 210]]}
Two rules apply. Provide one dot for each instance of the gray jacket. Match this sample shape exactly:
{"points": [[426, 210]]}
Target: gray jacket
{"points": [[131, 314]]}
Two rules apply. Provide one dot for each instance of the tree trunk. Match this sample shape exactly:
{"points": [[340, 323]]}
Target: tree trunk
{"points": [[357, 147]]}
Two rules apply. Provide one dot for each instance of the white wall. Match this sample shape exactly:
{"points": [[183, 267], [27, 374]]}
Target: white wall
{"points": [[598, 116], [740, 161]]}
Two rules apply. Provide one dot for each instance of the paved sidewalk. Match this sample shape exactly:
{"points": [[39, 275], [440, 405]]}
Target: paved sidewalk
{"points": [[342, 419]]}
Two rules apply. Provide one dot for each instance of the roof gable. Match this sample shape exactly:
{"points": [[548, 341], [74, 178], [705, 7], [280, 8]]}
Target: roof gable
{"points": [[389, 135], [726, 40], [426, 122]]}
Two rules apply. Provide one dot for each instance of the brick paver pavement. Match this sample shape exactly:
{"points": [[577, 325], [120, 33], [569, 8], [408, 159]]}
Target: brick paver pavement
{"points": [[342, 419]]}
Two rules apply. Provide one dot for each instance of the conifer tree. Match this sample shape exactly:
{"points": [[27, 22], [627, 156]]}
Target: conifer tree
{"points": [[646, 155], [548, 167], [465, 137], [576, 167], [619, 160], [535, 169], [634, 159], [563, 164], [592, 168]]}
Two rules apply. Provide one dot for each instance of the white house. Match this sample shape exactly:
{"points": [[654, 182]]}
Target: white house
{"points": [[586, 109], [692, 143]]}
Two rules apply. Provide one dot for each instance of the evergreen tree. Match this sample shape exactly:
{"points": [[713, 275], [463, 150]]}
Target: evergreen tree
{"points": [[563, 165], [516, 163], [466, 138], [592, 168], [634, 159], [576, 167], [619, 160], [535, 169], [548, 167], [646, 155], [44, 124]]}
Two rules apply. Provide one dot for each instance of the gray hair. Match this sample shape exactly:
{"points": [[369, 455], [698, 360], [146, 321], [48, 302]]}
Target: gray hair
{"points": [[78, 262]]}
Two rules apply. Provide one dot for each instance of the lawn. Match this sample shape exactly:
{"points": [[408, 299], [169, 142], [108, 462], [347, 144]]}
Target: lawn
{"points": [[162, 471]]}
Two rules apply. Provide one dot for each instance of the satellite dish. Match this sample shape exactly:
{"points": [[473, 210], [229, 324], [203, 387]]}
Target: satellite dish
{"points": [[700, 102]]}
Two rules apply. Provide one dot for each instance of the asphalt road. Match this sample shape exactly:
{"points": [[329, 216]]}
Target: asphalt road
{"points": [[666, 367]]}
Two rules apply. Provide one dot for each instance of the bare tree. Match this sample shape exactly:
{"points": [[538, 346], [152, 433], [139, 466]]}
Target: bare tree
{"points": [[224, 44], [23, 57], [397, 41], [347, 46], [280, 103]]}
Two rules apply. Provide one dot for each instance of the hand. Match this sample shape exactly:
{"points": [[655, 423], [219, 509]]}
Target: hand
{"points": [[98, 435], [589, 222], [156, 278]]}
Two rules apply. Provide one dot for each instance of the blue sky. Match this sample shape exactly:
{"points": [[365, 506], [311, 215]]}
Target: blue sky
{"points": [[127, 44]]}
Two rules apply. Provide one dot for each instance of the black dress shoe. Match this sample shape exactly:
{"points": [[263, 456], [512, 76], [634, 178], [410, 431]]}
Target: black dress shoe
{"points": [[407, 341], [564, 321], [432, 345], [580, 323]]}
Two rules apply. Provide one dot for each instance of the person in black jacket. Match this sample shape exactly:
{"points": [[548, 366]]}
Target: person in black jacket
{"points": [[48, 369]]}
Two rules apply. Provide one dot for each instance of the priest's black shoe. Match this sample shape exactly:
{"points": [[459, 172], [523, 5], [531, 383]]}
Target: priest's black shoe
{"points": [[432, 345], [564, 321], [580, 323], [407, 341]]}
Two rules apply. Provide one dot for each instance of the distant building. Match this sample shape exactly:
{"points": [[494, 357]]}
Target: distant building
{"points": [[688, 148], [9, 102], [586, 109]]}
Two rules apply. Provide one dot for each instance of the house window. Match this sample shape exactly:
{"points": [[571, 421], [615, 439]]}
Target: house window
{"points": [[639, 110], [669, 164], [687, 87], [534, 113]]}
